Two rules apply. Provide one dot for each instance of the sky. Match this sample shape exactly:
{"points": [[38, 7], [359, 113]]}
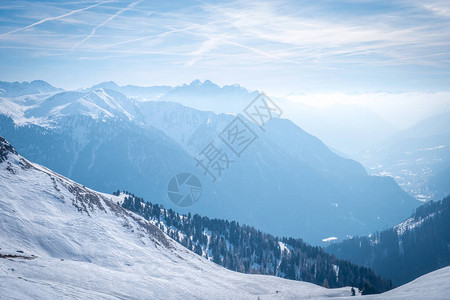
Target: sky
{"points": [[282, 47]]}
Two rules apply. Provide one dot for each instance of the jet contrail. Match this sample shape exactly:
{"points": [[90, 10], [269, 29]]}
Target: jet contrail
{"points": [[159, 35], [94, 30], [53, 18]]}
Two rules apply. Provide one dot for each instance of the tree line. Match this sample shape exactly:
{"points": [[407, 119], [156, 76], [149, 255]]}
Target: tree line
{"points": [[245, 249]]}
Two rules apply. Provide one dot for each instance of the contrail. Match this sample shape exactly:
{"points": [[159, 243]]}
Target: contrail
{"points": [[105, 22], [53, 18], [268, 54], [159, 35]]}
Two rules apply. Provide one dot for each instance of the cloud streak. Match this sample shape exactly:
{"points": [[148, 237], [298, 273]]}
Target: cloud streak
{"points": [[53, 18], [109, 19]]}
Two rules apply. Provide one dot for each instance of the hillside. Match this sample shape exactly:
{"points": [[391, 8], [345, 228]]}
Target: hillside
{"points": [[247, 250], [432, 286], [398, 253], [59, 238]]}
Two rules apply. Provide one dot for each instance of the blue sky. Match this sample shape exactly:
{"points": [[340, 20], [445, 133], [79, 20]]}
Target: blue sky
{"points": [[278, 46]]}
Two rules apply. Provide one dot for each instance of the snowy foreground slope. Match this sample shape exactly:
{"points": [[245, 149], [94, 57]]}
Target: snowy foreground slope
{"points": [[59, 239]]}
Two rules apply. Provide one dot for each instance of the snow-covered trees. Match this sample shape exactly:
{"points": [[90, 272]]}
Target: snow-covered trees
{"points": [[244, 249]]}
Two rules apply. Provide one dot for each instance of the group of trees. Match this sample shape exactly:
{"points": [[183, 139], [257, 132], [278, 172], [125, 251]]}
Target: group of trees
{"points": [[419, 245], [244, 249]]}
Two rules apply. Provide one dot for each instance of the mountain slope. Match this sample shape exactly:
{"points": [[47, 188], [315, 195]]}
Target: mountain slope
{"points": [[64, 239], [440, 182], [432, 286], [244, 249], [414, 247]]}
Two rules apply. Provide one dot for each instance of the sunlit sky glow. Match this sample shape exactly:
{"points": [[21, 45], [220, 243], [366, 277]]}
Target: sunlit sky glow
{"points": [[280, 47]]}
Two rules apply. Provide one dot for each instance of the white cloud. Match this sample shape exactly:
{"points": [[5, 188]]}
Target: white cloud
{"points": [[441, 8]]}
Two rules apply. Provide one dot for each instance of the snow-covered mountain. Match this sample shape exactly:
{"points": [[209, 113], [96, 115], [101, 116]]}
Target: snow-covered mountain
{"points": [[139, 92], [285, 183], [200, 95], [15, 89], [61, 239], [209, 96], [98, 104]]}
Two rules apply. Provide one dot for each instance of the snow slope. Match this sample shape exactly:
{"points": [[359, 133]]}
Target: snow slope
{"points": [[82, 245], [73, 242], [434, 285]]}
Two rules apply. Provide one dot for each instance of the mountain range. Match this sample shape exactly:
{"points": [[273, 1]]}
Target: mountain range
{"points": [[285, 183], [15, 89], [200, 95], [335, 124]]}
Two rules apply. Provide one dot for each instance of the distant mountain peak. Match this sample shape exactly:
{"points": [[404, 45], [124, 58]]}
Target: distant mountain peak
{"points": [[14, 89], [207, 83], [234, 85], [41, 82], [106, 85], [195, 82], [34, 82]]}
